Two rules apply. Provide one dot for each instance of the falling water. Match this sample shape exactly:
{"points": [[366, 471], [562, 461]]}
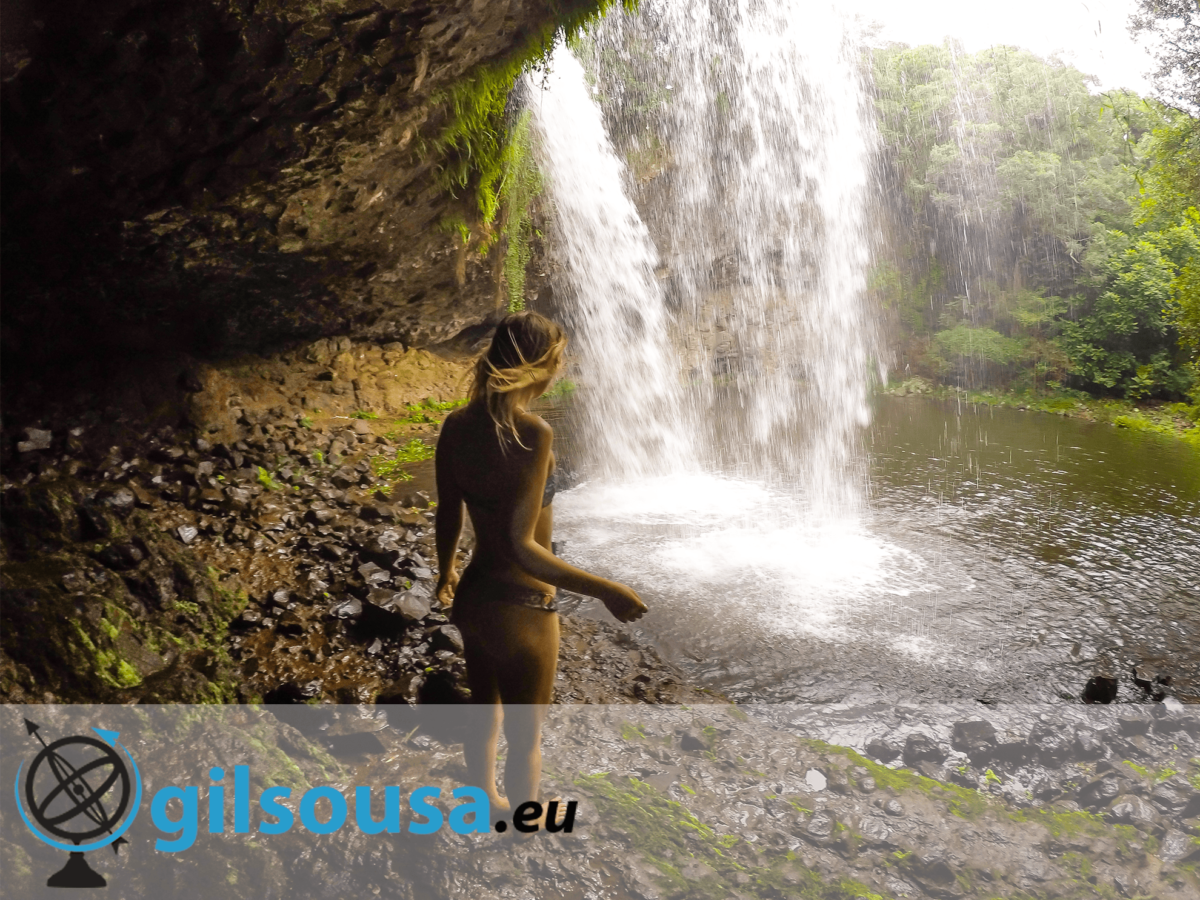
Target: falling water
{"points": [[722, 335], [758, 211], [631, 387]]}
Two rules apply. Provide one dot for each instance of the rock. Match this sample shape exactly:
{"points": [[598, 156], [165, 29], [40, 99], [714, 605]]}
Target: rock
{"points": [[1175, 846], [447, 637], [121, 556], [373, 574], [1098, 793], [187, 533], [416, 500], [361, 427], [921, 748], [882, 750], [1100, 689], [894, 808], [973, 738], [120, 499], [1051, 744], [820, 826], [1130, 726], [1172, 794], [1129, 809], [347, 609], [344, 477], [874, 829], [34, 439], [1087, 745], [1012, 753], [693, 741]]}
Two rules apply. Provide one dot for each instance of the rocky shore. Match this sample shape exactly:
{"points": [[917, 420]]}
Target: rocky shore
{"points": [[271, 545]]}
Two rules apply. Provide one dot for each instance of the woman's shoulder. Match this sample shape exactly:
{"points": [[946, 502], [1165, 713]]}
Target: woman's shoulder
{"points": [[534, 426]]}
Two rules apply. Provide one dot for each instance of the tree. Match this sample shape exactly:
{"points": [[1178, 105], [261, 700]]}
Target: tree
{"points": [[1175, 26]]}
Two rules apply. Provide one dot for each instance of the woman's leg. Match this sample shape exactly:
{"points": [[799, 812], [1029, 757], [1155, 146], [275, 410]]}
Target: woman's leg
{"points": [[526, 686], [484, 713]]}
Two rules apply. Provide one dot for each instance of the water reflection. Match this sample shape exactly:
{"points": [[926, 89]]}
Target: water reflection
{"points": [[1004, 555]]}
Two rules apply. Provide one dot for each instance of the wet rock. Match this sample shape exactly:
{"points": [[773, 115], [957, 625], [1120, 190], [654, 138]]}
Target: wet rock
{"points": [[1051, 744], [416, 500], [34, 439], [975, 739], [120, 557], [412, 605], [894, 808], [1130, 726], [373, 575], [693, 740], [347, 609], [1100, 689], [1172, 795], [820, 826], [344, 478], [293, 692], [120, 499], [919, 748], [447, 637], [1012, 754], [1129, 809], [1100, 792], [1088, 745], [883, 751], [1175, 846]]}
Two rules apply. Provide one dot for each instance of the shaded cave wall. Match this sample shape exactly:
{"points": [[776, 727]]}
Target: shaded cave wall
{"points": [[195, 180]]}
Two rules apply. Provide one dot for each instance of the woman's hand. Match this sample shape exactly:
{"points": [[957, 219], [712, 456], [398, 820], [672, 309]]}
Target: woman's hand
{"points": [[446, 586], [622, 602]]}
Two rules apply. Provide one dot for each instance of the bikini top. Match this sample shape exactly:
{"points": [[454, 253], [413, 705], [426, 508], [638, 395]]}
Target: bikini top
{"points": [[548, 491]]}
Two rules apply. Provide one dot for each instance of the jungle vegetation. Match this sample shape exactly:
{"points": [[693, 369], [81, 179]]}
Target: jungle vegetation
{"points": [[1037, 233]]}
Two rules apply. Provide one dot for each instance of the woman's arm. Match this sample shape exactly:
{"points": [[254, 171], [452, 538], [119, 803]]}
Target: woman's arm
{"points": [[540, 562], [448, 522]]}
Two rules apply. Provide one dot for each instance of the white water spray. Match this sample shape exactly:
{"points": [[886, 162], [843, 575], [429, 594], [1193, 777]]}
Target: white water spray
{"points": [[631, 384]]}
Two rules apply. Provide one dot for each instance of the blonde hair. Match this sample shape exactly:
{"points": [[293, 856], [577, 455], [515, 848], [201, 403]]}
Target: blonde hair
{"points": [[526, 348]]}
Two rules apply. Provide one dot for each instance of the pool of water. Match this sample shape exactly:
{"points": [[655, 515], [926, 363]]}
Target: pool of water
{"points": [[999, 555]]}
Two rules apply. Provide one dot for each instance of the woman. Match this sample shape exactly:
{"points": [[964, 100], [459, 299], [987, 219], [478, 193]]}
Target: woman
{"points": [[494, 456]]}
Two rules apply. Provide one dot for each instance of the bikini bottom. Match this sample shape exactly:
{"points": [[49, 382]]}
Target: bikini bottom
{"points": [[479, 590]]}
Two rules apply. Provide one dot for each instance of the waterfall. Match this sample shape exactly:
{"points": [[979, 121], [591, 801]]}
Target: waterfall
{"points": [[749, 129], [630, 399]]}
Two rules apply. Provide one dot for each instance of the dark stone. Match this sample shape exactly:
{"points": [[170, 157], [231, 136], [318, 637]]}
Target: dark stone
{"points": [[347, 609], [447, 637], [121, 556], [973, 738], [1130, 726], [34, 439], [412, 606], [921, 748], [1013, 754], [882, 750], [119, 499], [1051, 744], [1087, 745], [1099, 793], [693, 741], [1100, 689], [1130, 809], [1172, 795], [373, 574]]}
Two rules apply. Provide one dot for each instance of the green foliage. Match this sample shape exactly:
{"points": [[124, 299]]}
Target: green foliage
{"points": [[364, 414], [306, 422], [471, 147], [1063, 225], [267, 480], [520, 184], [392, 469]]}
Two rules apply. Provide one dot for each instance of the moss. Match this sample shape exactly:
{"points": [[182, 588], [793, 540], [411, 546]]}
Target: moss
{"points": [[668, 835], [392, 469]]}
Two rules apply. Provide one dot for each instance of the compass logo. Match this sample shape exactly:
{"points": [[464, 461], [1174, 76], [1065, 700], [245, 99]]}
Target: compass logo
{"points": [[79, 790]]}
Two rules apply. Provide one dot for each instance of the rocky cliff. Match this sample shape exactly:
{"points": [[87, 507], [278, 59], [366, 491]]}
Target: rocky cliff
{"points": [[214, 176]]}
